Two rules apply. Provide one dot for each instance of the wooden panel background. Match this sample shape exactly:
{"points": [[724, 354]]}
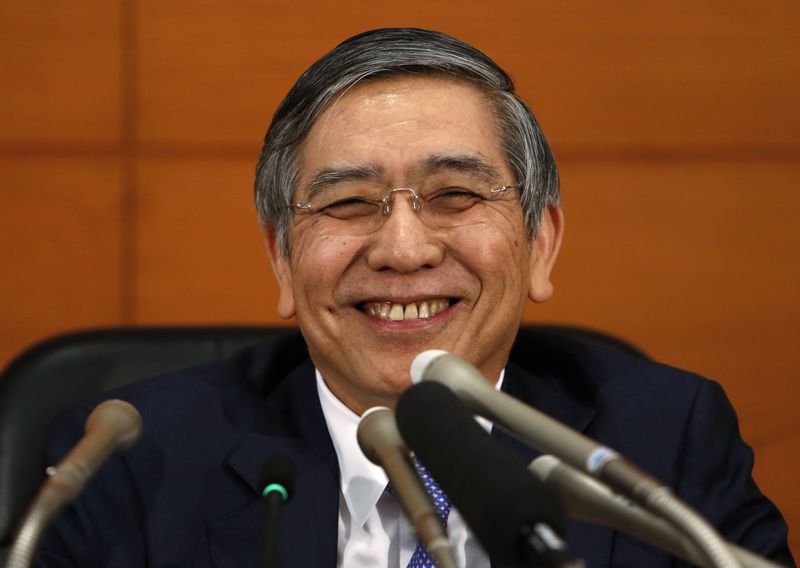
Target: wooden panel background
{"points": [[129, 132]]}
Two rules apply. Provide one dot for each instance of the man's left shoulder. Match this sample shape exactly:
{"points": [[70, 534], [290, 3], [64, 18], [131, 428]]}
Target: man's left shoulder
{"points": [[592, 371], [640, 407]]}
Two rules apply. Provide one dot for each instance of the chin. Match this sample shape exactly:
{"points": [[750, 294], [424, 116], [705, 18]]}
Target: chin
{"points": [[392, 388]]}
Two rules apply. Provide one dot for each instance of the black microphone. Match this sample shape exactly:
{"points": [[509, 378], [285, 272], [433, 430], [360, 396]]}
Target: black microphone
{"points": [[277, 480], [514, 516], [113, 426], [381, 442]]}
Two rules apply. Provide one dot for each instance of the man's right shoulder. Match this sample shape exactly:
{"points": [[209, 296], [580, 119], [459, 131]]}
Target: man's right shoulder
{"points": [[232, 388], [257, 368]]}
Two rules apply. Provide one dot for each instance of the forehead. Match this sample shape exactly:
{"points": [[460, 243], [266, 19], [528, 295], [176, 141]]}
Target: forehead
{"points": [[395, 126]]}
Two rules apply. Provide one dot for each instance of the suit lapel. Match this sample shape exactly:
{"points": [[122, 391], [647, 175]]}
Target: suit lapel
{"points": [[293, 425], [546, 396], [591, 542]]}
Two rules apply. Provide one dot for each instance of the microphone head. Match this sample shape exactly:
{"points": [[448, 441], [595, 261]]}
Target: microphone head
{"points": [[421, 362], [543, 466], [377, 429], [278, 473], [488, 484], [119, 418]]}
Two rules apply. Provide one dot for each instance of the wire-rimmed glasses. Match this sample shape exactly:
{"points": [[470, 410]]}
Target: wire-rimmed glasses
{"points": [[361, 208]]}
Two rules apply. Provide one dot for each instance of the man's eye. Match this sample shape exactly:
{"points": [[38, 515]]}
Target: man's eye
{"points": [[350, 208], [454, 199]]}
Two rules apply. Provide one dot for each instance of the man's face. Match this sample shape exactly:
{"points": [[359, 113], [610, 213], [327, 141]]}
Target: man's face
{"points": [[405, 132]]}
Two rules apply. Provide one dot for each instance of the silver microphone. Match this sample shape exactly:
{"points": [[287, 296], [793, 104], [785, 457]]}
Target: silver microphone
{"points": [[381, 442], [113, 426], [586, 499]]}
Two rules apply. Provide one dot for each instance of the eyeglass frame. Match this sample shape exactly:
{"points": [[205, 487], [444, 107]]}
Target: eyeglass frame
{"points": [[386, 200]]}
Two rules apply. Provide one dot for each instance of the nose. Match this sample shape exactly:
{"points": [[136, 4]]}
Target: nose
{"points": [[404, 243]]}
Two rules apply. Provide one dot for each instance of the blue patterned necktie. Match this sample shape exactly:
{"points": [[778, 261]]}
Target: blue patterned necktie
{"points": [[421, 558]]}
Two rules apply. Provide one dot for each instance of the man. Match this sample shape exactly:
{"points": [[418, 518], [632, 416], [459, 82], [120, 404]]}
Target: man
{"points": [[410, 201]]}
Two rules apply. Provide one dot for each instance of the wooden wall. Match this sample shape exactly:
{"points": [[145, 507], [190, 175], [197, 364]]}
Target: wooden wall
{"points": [[129, 132]]}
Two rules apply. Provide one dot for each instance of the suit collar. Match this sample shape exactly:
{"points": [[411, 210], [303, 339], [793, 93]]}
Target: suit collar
{"points": [[292, 423]]}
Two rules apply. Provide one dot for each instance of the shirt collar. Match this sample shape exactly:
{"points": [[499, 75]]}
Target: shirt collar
{"points": [[361, 482]]}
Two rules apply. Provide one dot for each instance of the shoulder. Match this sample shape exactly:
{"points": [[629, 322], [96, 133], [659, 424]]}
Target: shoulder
{"points": [[210, 397], [644, 409], [258, 369], [598, 373]]}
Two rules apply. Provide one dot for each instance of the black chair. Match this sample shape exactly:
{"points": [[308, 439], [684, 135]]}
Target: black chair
{"points": [[59, 373]]}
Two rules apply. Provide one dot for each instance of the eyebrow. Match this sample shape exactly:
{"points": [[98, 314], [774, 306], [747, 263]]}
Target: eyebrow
{"points": [[459, 163], [330, 176]]}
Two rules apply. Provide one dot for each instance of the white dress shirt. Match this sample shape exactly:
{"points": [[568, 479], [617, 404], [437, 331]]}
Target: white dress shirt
{"points": [[373, 530]]}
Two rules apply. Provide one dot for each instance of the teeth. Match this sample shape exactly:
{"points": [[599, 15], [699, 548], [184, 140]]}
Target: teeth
{"points": [[397, 312], [412, 311], [424, 311]]}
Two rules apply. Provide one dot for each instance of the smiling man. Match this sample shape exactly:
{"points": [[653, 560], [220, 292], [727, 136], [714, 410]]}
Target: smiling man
{"points": [[410, 201], [440, 257]]}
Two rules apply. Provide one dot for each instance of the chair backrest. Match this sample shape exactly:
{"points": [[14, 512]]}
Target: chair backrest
{"points": [[59, 373]]}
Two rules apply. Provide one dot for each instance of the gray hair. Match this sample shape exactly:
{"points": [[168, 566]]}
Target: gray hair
{"points": [[391, 52]]}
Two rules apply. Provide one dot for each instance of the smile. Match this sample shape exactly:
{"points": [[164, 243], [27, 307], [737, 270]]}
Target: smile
{"points": [[402, 312]]}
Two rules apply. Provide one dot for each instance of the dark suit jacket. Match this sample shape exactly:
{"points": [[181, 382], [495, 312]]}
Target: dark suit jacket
{"points": [[187, 494]]}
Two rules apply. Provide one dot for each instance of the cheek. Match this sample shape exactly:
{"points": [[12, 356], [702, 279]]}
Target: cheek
{"points": [[319, 262], [505, 261], [491, 246], [500, 258]]}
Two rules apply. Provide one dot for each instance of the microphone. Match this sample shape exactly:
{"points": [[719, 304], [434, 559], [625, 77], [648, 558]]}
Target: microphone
{"points": [[113, 426], [586, 499], [380, 441], [514, 516], [552, 437], [277, 479]]}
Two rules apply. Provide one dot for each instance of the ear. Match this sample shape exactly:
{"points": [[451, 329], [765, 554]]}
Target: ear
{"points": [[282, 270], [544, 251]]}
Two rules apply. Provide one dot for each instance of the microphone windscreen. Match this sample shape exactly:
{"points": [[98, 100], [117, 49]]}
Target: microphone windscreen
{"points": [[279, 469], [488, 484]]}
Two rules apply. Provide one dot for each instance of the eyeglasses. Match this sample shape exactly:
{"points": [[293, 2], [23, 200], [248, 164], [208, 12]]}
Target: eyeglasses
{"points": [[360, 209]]}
